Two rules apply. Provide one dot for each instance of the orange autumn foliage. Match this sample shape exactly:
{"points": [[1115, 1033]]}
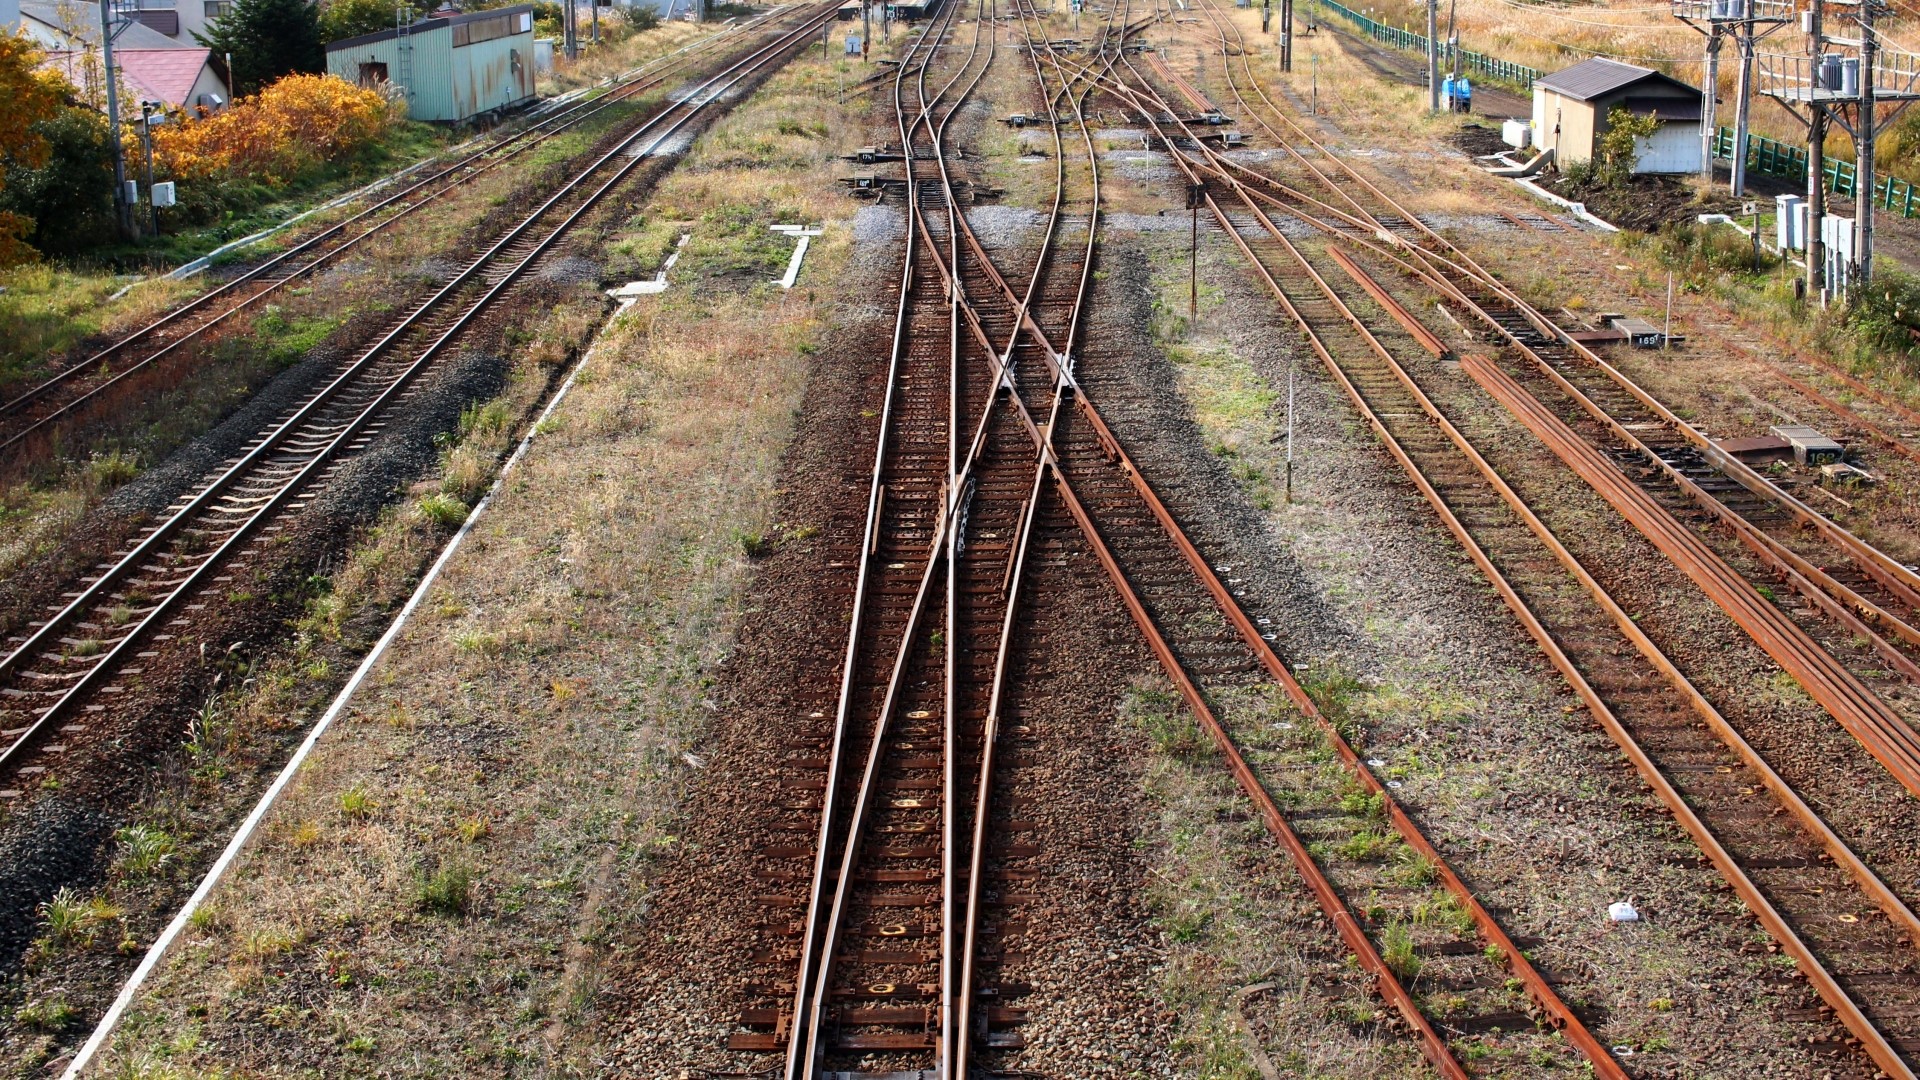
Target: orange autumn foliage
{"points": [[291, 127]]}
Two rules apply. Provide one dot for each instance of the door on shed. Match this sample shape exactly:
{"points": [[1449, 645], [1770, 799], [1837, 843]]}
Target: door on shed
{"points": [[1674, 148]]}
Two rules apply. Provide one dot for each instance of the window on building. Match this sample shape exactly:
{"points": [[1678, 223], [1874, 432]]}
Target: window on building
{"points": [[372, 73], [216, 8]]}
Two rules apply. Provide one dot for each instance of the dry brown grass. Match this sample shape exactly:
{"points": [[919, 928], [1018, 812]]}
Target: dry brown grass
{"points": [[441, 877], [596, 65]]}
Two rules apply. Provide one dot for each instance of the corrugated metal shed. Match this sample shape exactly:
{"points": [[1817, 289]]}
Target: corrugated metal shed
{"points": [[453, 68]]}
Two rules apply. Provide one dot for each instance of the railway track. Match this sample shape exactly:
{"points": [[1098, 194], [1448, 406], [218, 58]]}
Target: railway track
{"points": [[1143, 549], [68, 668], [164, 350], [1851, 936]]}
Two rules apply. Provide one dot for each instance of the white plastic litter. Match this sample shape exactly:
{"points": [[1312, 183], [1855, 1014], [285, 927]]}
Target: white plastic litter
{"points": [[1621, 911]]}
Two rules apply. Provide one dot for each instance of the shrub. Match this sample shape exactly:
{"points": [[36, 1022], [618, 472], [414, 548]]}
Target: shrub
{"points": [[45, 1014], [298, 125], [351, 18], [1617, 147], [71, 919], [1886, 314], [1699, 251], [68, 196]]}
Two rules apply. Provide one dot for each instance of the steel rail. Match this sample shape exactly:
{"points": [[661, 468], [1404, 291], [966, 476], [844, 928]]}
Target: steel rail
{"points": [[797, 1065], [1871, 885], [1770, 918], [502, 151], [824, 919], [1450, 258], [1249, 633], [318, 458], [1851, 703], [962, 1048], [1590, 466], [1386, 982], [1857, 1023]]}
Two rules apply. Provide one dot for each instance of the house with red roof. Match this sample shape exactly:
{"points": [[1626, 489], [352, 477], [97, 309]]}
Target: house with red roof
{"points": [[153, 66]]}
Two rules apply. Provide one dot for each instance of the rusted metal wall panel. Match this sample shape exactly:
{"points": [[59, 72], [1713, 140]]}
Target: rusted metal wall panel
{"points": [[493, 74]]}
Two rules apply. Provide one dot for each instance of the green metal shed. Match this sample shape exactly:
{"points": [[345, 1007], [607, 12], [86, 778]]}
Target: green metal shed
{"points": [[452, 67]]}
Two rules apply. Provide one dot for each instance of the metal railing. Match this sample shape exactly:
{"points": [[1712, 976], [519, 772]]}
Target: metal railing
{"points": [[1772, 157], [1733, 10], [1835, 76], [1491, 67]]}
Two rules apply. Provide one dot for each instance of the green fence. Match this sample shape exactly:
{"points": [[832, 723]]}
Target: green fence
{"points": [[1491, 67], [1764, 155], [1775, 158]]}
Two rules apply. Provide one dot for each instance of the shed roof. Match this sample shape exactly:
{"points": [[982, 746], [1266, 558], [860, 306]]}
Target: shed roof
{"points": [[1599, 77], [429, 24]]}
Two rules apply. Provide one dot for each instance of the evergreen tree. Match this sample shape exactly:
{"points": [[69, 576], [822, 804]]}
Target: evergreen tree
{"points": [[267, 39]]}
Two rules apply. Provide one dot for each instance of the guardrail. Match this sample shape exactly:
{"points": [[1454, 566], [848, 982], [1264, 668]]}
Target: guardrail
{"points": [[1775, 158], [1491, 67]]}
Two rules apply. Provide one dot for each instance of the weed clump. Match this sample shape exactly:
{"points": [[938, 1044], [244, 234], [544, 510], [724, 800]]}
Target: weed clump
{"points": [[1396, 948], [143, 850], [443, 510], [51, 1014], [445, 891], [70, 919]]}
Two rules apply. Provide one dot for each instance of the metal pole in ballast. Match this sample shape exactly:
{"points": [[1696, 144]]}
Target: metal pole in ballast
{"points": [[1293, 360], [1433, 56], [1195, 193]]}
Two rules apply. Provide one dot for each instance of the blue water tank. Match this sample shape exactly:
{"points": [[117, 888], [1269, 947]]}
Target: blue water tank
{"points": [[1456, 94]]}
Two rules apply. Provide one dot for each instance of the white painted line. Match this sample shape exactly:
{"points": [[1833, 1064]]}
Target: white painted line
{"points": [[805, 235], [243, 837], [632, 289]]}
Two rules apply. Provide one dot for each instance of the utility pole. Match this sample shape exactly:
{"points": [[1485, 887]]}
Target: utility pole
{"points": [[1266, 16], [1433, 56], [596, 21], [866, 27], [1863, 136], [1816, 153], [1743, 96], [1286, 35], [1709, 108], [569, 20], [122, 209]]}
